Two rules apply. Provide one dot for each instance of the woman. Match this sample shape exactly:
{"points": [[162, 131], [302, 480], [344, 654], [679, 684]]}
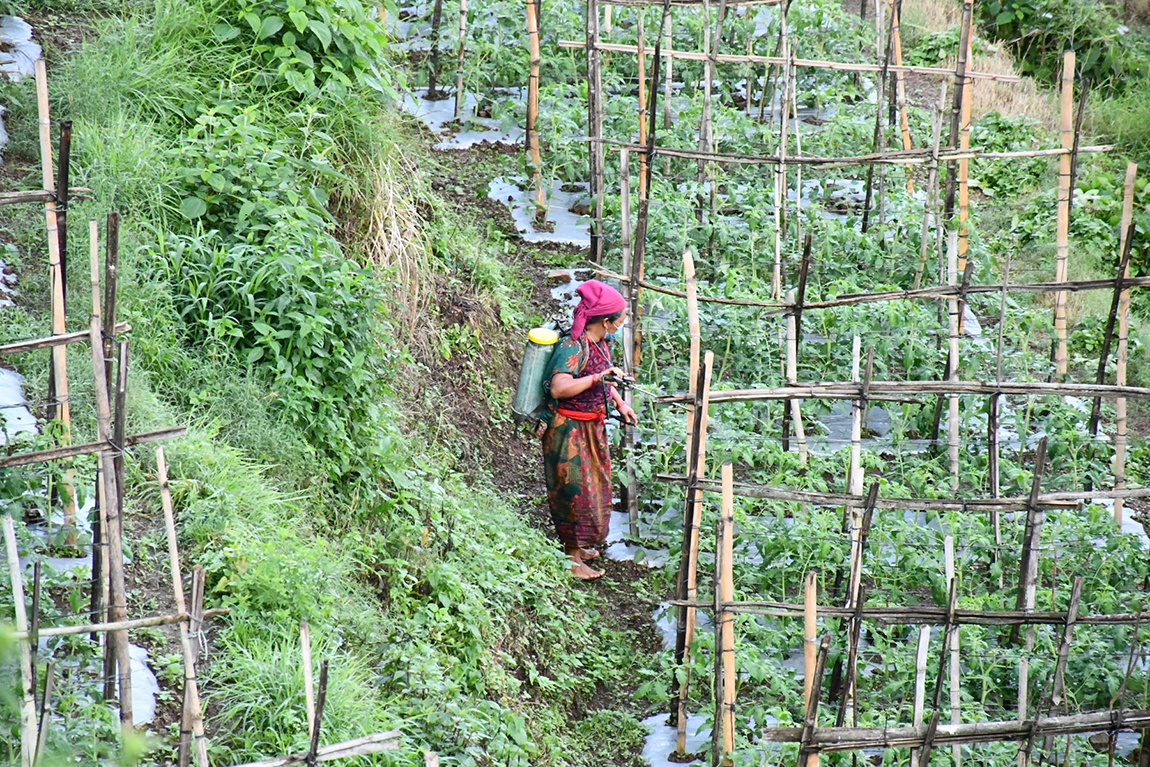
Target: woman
{"points": [[576, 460]]}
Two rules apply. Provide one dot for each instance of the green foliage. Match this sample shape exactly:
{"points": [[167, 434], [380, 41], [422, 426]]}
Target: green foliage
{"points": [[322, 44], [1040, 30]]}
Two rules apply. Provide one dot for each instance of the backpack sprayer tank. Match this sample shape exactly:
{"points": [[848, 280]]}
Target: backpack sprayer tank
{"points": [[529, 393]]}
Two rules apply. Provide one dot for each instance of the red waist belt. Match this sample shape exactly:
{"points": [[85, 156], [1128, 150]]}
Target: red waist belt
{"points": [[581, 415]]}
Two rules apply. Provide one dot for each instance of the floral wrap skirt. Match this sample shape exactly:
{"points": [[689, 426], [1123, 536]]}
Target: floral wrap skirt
{"points": [[577, 466]]}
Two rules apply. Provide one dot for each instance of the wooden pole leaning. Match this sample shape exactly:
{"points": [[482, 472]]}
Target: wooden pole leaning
{"points": [[191, 686], [459, 95], [692, 518], [1062, 233], [1123, 335], [118, 640], [534, 158], [28, 729], [58, 388]]}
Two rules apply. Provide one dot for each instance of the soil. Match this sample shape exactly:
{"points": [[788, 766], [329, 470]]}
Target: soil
{"points": [[510, 451]]}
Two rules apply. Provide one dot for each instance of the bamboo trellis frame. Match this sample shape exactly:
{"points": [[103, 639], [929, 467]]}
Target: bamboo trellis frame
{"points": [[862, 389]]}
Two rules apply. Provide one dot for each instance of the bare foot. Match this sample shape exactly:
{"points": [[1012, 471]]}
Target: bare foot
{"points": [[583, 572], [588, 554]]}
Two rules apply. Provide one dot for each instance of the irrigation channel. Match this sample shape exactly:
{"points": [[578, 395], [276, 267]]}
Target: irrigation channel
{"points": [[891, 485]]}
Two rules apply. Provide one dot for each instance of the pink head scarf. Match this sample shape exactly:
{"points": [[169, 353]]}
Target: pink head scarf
{"points": [[597, 299]]}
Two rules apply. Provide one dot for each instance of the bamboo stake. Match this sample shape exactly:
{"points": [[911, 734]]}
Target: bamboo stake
{"points": [[956, 102], [433, 58], [798, 151], [34, 631], [704, 143], [811, 720], [930, 204], [1108, 335], [642, 108], [607, 9], [777, 60], [964, 165], [1028, 586], [852, 520], [854, 475], [1123, 332], [780, 178], [792, 379], [687, 575], [595, 126], [919, 683], [900, 93], [668, 87], [534, 157], [58, 389], [810, 631], [630, 334], [459, 59], [28, 730], [952, 359], [118, 639], [954, 684], [369, 744], [992, 418], [308, 682], [1062, 244], [191, 686], [45, 711], [726, 620]]}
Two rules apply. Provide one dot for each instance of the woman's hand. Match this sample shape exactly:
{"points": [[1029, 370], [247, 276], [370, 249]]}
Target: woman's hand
{"points": [[626, 413], [616, 373]]}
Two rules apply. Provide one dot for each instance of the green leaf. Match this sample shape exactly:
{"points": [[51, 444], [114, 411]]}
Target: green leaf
{"points": [[322, 31], [255, 355], [299, 19], [270, 26], [1004, 18], [263, 328], [225, 31], [193, 207], [253, 21]]}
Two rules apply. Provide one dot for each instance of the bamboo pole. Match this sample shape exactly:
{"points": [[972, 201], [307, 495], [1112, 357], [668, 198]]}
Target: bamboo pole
{"points": [[852, 520], [964, 164], [534, 157], [919, 683], [854, 475], [735, 58], [1108, 334], [894, 157], [1062, 243], [811, 719], [780, 178], [900, 90], [595, 126], [642, 53], [798, 151], [1028, 586], [459, 59], [792, 379], [58, 385], [810, 632], [369, 744], [28, 729], [687, 575], [960, 68], [630, 334], [668, 86], [191, 686], [433, 57], [954, 670], [1123, 334], [952, 359], [725, 621], [108, 627], [704, 142], [930, 210], [118, 597], [195, 620], [45, 712], [308, 680]]}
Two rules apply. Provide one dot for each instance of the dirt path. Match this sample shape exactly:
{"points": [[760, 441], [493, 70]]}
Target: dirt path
{"points": [[496, 443]]}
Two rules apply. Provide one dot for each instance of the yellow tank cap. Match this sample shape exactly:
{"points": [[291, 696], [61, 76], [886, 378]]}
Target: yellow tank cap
{"points": [[543, 336]]}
